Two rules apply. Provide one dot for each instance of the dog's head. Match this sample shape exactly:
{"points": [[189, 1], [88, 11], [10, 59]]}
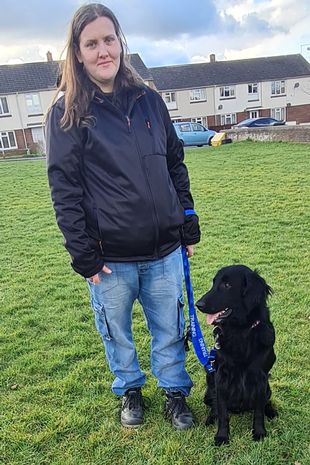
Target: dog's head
{"points": [[237, 292]]}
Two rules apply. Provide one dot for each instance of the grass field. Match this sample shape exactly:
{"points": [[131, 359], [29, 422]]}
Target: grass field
{"points": [[56, 406]]}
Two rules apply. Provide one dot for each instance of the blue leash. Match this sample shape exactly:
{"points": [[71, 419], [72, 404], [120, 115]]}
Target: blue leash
{"points": [[205, 358]]}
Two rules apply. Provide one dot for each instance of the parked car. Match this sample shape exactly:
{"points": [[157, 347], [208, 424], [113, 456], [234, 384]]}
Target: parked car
{"points": [[193, 134], [258, 122]]}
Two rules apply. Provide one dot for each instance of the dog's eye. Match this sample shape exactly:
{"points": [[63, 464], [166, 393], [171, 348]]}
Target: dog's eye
{"points": [[226, 285]]}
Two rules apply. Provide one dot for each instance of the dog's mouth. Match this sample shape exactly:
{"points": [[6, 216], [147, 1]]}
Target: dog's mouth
{"points": [[218, 317]]}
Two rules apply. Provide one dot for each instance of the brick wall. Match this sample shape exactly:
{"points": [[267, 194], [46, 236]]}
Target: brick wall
{"points": [[20, 137], [298, 113], [276, 133]]}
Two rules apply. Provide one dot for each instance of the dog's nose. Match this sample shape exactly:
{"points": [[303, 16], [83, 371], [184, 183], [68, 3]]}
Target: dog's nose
{"points": [[201, 305]]}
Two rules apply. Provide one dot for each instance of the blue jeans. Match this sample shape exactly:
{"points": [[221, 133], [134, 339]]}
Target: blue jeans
{"points": [[158, 287]]}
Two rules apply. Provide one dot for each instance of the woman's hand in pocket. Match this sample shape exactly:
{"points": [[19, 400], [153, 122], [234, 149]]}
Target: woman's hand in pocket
{"points": [[96, 278]]}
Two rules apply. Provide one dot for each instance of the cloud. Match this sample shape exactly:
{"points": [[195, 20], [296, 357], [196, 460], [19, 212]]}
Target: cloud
{"points": [[165, 19], [34, 19], [163, 32]]}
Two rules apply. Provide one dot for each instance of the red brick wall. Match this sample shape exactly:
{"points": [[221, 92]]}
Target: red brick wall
{"points": [[265, 112], [298, 113], [20, 137]]}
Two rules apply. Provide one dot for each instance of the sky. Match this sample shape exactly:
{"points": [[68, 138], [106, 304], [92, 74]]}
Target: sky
{"points": [[164, 32]]}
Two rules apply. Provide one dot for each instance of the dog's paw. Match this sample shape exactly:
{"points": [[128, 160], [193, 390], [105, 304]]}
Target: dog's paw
{"points": [[270, 412], [259, 434], [210, 420], [220, 440]]}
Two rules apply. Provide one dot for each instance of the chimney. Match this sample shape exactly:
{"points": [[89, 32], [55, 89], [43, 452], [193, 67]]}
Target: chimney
{"points": [[49, 56], [212, 58]]}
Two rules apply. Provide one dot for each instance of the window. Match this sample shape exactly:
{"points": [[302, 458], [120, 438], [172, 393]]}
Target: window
{"points": [[278, 113], [170, 100], [33, 103], [197, 95], [227, 91], [169, 97], [253, 89], [229, 118], [185, 127], [7, 140], [38, 138], [4, 109], [197, 127], [254, 114], [201, 120], [278, 88]]}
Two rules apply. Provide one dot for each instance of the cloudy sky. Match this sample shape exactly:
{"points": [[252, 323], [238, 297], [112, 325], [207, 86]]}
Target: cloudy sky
{"points": [[164, 32]]}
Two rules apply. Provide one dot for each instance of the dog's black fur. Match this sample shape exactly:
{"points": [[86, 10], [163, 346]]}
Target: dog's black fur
{"points": [[245, 337]]}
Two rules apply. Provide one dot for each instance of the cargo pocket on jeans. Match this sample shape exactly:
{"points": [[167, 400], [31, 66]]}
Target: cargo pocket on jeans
{"points": [[101, 321], [181, 318]]}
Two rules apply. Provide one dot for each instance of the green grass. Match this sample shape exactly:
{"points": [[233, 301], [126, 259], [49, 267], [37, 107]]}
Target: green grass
{"points": [[56, 406]]}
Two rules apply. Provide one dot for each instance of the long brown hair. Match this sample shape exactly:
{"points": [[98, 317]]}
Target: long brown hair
{"points": [[74, 82]]}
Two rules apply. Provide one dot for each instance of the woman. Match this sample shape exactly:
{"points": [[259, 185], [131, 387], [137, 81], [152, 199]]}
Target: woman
{"points": [[120, 191]]}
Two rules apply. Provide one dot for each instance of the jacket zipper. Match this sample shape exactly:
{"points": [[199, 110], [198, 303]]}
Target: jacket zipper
{"points": [[128, 121], [149, 126], [155, 216]]}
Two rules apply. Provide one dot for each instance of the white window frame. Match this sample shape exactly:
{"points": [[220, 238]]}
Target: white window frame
{"points": [[38, 137], [278, 88], [275, 112], [254, 114], [197, 95], [253, 88], [200, 120], [4, 101], [5, 135], [228, 118], [170, 99], [227, 92], [33, 104]]}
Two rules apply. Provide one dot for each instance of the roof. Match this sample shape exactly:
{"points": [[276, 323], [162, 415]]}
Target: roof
{"points": [[28, 77], [229, 72], [140, 67]]}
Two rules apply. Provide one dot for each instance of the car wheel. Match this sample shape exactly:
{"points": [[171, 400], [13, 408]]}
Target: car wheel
{"points": [[199, 145], [210, 141]]}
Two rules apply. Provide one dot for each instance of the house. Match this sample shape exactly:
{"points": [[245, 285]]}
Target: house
{"points": [[26, 93], [221, 93], [216, 94]]}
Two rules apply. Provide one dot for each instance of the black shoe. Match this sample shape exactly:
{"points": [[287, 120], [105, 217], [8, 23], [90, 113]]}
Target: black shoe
{"points": [[177, 409], [132, 408]]}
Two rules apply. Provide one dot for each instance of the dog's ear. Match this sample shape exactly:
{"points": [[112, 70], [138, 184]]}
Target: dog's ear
{"points": [[256, 290]]}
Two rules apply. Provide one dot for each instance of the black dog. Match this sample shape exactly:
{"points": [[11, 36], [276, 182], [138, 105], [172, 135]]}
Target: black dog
{"points": [[244, 335]]}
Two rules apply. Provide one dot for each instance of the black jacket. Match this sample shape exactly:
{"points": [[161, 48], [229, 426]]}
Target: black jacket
{"points": [[119, 187]]}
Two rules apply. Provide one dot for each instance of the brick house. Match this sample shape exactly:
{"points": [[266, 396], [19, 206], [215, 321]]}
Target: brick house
{"points": [[222, 93], [26, 92], [217, 94]]}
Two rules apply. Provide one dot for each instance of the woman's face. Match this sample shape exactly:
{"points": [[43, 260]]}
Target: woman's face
{"points": [[100, 51]]}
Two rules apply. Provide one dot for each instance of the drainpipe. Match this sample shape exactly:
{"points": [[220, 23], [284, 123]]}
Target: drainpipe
{"points": [[21, 123]]}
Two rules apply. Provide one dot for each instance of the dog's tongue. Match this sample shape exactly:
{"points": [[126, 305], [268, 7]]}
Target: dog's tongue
{"points": [[212, 318]]}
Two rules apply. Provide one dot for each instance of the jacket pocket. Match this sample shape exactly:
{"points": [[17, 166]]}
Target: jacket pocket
{"points": [[168, 207]]}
